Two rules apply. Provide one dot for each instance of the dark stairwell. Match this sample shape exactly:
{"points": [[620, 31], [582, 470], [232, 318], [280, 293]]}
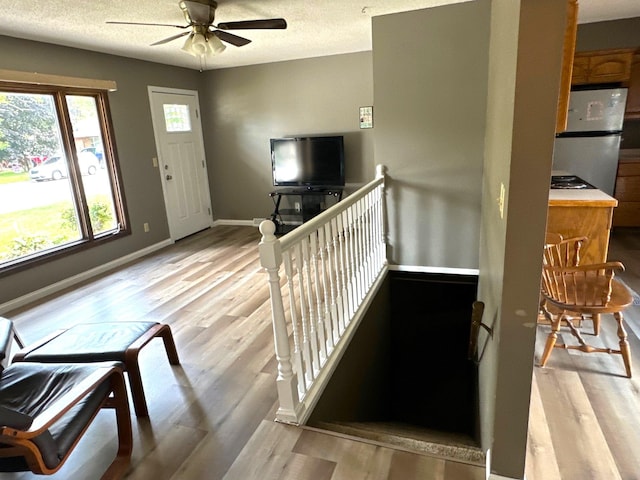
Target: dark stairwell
{"points": [[405, 379]]}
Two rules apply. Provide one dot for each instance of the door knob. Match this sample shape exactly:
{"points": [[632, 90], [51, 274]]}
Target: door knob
{"points": [[169, 177]]}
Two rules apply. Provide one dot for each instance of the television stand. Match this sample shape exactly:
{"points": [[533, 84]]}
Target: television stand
{"points": [[309, 203]]}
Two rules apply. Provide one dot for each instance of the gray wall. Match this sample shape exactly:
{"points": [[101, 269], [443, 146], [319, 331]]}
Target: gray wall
{"points": [[244, 107], [241, 108], [430, 86], [453, 124], [524, 75], [623, 33], [135, 146]]}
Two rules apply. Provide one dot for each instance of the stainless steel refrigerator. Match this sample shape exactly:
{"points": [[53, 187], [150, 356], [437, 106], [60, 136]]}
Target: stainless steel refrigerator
{"points": [[590, 146]]}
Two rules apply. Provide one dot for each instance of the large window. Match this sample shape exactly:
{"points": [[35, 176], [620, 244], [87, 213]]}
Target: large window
{"points": [[59, 185]]}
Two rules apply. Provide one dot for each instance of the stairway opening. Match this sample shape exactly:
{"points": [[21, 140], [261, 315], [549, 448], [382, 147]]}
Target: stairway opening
{"points": [[405, 379]]}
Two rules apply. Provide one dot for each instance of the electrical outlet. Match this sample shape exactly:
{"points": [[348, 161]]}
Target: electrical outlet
{"points": [[146, 227], [501, 200], [297, 206], [154, 160]]}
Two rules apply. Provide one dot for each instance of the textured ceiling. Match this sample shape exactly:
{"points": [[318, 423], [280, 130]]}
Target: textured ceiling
{"points": [[315, 27]]}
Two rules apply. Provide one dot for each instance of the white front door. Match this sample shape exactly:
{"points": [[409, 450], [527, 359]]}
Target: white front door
{"points": [[181, 160]]}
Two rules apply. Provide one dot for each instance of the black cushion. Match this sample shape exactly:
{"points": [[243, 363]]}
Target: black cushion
{"points": [[91, 342], [14, 419], [27, 389]]}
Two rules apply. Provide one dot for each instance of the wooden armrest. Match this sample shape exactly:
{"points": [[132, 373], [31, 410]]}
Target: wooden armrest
{"points": [[593, 267], [570, 240]]}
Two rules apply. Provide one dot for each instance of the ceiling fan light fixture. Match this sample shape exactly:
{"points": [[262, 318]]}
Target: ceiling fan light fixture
{"points": [[187, 47], [215, 44], [200, 45]]}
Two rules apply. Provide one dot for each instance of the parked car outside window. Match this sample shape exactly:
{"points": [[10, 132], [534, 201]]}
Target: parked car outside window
{"points": [[97, 151], [55, 168]]}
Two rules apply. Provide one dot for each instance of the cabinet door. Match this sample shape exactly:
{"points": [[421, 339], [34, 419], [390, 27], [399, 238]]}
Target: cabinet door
{"points": [[633, 95], [628, 189], [613, 67], [580, 74]]}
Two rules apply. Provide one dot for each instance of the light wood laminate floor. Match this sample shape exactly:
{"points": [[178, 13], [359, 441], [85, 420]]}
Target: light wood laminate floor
{"points": [[585, 414], [212, 416]]}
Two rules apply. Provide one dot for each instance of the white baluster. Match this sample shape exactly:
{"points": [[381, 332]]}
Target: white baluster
{"points": [[304, 316], [320, 322], [325, 273], [308, 294], [351, 266], [360, 226], [295, 323], [340, 275], [346, 267]]}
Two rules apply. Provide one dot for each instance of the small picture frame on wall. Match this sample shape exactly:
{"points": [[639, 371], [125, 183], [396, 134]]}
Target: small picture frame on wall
{"points": [[366, 117]]}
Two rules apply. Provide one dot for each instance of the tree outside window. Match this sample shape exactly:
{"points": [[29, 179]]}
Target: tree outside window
{"points": [[58, 176]]}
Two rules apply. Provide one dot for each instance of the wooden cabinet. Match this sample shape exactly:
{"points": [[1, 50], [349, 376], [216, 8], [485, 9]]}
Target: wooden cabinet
{"points": [[627, 192], [633, 95], [568, 51], [574, 213], [593, 222], [602, 66]]}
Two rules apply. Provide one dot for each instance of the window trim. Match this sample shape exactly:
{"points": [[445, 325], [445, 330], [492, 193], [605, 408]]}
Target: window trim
{"points": [[15, 76], [89, 239]]}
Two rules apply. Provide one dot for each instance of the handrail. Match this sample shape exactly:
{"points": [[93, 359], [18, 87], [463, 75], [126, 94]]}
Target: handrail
{"points": [[330, 267]]}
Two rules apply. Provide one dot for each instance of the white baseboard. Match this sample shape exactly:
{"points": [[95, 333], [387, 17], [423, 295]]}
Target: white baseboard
{"points": [[245, 223], [68, 282]]}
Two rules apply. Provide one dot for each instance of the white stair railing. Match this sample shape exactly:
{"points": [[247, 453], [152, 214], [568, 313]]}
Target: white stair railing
{"points": [[322, 276]]}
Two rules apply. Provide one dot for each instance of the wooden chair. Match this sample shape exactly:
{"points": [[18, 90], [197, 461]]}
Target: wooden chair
{"points": [[563, 252], [46, 408], [99, 342], [584, 290]]}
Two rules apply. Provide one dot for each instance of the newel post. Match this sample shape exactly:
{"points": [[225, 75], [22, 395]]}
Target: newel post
{"points": [[287, 383]]}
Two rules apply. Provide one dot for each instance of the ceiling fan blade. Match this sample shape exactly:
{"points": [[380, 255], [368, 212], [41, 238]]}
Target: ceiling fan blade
{"points": [[269, 23], [199, 13], [169, 39], [231, 38], [152, 24]]}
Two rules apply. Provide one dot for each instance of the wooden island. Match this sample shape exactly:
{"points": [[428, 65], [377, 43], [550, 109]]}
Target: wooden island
{"points": [[583, 212]]}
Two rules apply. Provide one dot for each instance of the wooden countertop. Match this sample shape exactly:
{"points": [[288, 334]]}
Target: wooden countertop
{"points": [[587, 197], [580, 198]]}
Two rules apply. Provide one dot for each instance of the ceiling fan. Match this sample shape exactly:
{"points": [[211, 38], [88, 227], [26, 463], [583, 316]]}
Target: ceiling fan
{"points": [[204, 37]]}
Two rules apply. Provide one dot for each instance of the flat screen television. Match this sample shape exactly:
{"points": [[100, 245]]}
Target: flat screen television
{"points": [[308, 162]]}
